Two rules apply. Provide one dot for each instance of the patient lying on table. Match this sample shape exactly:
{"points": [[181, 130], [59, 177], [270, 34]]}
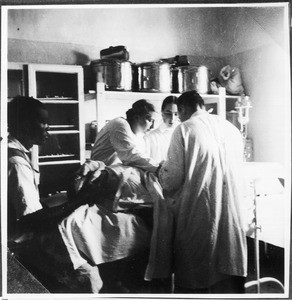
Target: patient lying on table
{"points": [[117, 221], [111, 193]]}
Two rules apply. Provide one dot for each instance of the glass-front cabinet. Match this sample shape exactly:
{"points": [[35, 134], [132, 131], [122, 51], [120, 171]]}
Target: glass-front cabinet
{"points": [[60, 88]]}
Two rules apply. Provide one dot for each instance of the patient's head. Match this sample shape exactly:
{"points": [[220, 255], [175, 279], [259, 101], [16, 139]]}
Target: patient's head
{"points": [[96, 189]]}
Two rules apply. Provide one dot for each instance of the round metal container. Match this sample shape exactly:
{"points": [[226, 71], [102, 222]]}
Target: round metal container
{"points": [[154, 77], [116, 74], [189, 78]]}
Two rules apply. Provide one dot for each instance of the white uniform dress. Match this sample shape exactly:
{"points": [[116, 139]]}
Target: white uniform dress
{"points": [[23, 181], [157, 142], [116, 143], [201, 175]]}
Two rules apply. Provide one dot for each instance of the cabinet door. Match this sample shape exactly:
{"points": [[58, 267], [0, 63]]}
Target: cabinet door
{"points": [[60, 88], [16, 80]]}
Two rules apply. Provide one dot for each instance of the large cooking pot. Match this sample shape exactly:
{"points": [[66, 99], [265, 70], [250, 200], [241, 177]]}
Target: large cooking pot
{"points": [[116, 74], [188, 78], [154, 77]]}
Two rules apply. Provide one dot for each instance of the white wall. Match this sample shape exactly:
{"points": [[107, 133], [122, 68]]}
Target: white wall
{"points": [[268, 92], [149, 33], [265, 71]]}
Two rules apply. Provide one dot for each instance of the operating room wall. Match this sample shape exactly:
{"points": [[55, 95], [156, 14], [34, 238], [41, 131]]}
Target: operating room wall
{"points": [[267, 88], [265, 72], [74, 36]]}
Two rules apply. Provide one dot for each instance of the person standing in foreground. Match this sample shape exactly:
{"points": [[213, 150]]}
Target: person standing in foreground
{"points": [[201, 179]]}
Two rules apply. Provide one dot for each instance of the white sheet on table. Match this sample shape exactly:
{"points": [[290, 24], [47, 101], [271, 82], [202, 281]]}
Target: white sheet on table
{"points": [[262, 181], [99, 235], [271, 219]]}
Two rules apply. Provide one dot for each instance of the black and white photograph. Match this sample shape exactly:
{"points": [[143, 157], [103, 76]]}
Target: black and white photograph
{"points": [[145, 149]]}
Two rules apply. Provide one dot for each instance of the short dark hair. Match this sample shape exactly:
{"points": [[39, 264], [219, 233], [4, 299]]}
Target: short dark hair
{"points": [[139, 109], [190, 99], [22, 111], [168, 100]]}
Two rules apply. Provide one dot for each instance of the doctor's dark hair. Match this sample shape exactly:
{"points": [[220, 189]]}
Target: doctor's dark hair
{"points": [[140, 108], [168, 100], [22, 111], [190, 99]]}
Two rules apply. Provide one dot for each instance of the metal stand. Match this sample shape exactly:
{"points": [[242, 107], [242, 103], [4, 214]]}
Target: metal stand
{"points": [[260, 283]]}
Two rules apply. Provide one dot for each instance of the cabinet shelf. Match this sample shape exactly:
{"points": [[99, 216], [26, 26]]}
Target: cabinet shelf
{"points": [[61, 162], [61, 126], [53, 156], [112, 104], [63, 132], [58, 101], [122, 95]]}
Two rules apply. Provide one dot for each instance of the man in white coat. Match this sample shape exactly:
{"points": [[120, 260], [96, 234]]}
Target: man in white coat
{"points": [[201, 177]]}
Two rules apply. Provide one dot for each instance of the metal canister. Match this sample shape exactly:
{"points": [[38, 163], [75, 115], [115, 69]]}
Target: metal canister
{"points": [[154, 77], [188, 78], [203, 83], [116, 74]]}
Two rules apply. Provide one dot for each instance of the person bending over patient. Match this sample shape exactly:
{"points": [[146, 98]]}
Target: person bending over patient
{"points": [[118, 141], [157, 141]]}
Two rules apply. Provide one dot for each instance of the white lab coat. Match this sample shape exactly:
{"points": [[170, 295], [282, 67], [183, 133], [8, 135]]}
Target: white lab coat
{"points": [[116, 143], [201, 176], [157, 142]]}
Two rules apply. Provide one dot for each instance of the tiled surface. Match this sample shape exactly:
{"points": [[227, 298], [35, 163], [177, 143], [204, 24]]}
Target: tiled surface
{"points": [[19, 280]]}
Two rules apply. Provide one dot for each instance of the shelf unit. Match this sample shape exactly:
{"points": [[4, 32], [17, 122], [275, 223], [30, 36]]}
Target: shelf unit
{"points": [[111, 104], [60, 88]]}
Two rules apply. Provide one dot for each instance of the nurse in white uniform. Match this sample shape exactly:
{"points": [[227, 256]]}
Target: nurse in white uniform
{"points": [[118, 141], [157, 141]]}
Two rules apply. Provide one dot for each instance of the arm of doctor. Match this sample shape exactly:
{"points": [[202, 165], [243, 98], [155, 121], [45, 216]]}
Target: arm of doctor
{"points": [[171, 173], [124, 144]]}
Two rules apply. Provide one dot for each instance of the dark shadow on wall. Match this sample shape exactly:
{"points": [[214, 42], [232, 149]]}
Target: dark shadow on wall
{"points": [[81, 58]]}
